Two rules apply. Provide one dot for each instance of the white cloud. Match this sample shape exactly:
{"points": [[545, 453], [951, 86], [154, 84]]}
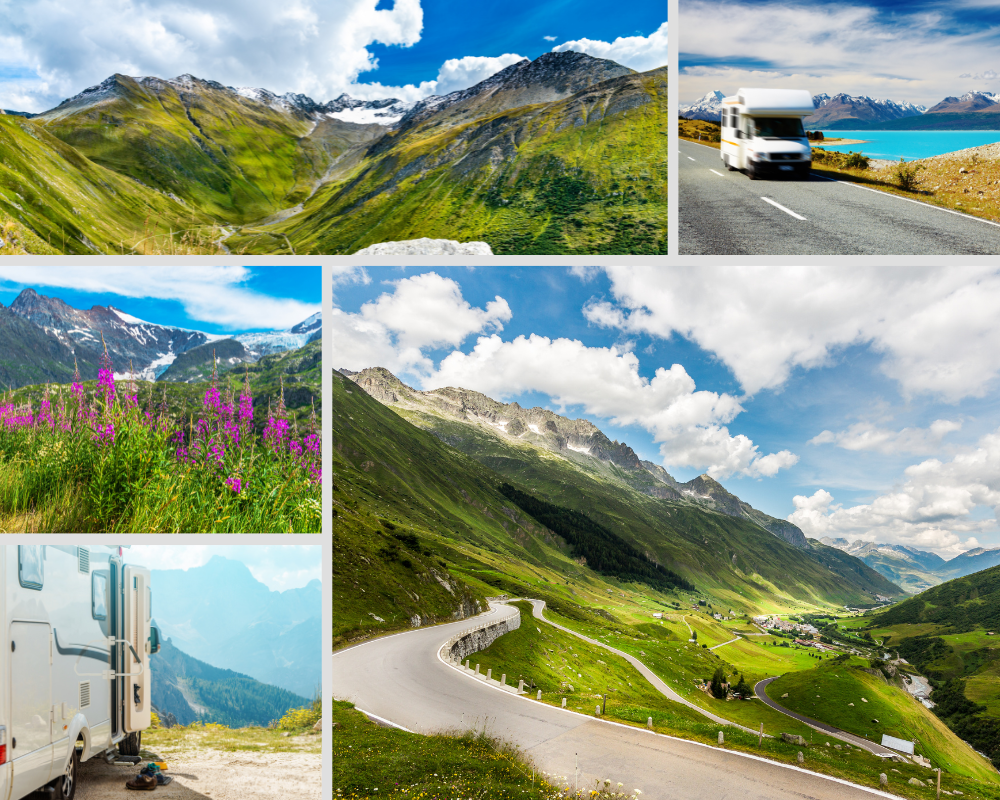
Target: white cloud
{"points": [[606, 382], [309, 46], [549, 38], [212, 294], [937, 328], [428, 312], [906, 55], [640, 53], [279, 567], [343, 275], [460, 73], [867, 436], [425, 311], [932, 509], [988, 75]]}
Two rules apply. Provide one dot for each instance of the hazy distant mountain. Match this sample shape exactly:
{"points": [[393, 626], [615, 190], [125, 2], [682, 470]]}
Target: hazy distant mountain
{"points": [[189, 690], [220, 614], [913, 569]]}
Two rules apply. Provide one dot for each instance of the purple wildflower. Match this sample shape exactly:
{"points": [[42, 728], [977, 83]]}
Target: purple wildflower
{"points": [[235, 484]]}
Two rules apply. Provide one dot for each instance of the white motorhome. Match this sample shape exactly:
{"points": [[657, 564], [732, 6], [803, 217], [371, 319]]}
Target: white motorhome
{"points": [[75, 670], [762, 132]]}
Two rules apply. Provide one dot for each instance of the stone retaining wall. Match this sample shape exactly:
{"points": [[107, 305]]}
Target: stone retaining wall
{"points": [[466, 643]]}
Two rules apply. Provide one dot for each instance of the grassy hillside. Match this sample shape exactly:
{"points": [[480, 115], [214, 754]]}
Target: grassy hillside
{"points": [[228, 157], [879, 707], [53, 199], [728, 557], [587, 174]]}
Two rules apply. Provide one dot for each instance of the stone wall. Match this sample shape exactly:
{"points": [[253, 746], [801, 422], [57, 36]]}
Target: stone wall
{"points": [[469, 642]]}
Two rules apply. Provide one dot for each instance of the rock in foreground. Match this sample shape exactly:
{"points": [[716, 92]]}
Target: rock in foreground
{"points": [[427, 247]]}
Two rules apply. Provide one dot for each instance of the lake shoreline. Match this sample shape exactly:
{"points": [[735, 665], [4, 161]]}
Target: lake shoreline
{"points": [[890, 146]]}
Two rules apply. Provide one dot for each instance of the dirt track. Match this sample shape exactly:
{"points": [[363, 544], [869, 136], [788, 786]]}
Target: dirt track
{"points": [[215, 774]]}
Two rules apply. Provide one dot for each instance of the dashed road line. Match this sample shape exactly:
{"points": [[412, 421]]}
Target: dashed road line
{"points": [[717, 173], [782, 208]]}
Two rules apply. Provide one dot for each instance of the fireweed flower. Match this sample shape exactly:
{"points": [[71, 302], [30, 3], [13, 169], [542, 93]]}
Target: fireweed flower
{"points": [[235, 484]]}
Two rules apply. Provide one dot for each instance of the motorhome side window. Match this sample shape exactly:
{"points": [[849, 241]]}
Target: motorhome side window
{"points": [[99, 592], [30, 572]]}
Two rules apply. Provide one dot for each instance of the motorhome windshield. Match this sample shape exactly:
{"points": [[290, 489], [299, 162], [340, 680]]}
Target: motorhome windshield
{"points": [[778, 127]]}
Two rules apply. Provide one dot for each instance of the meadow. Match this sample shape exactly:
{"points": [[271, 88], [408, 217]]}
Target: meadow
{"points": [[96, 458]]}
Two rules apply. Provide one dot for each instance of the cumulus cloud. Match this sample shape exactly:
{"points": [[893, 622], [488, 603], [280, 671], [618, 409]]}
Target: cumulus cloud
{"points": [[425, 311], [605, 382], [936, 327], [640, 53], [907, 55], [212, 294], [867, 436], [428, 312], [932, 509], [309, 46], [460, 73]]}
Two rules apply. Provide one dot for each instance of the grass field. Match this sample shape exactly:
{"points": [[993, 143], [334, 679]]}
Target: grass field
{"points": [[97, 458], [371, 761]]}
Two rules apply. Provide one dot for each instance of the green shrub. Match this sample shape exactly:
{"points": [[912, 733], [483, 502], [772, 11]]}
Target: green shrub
{"points": [[907, 175]]}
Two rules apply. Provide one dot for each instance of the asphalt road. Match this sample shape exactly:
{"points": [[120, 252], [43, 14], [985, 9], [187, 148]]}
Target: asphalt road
{"points": [[723, 213], [760, 689], [401, 679]]}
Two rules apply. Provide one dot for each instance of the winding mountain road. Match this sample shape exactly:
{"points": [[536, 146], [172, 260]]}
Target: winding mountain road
{"points": [[402, 680], [725, 213]]}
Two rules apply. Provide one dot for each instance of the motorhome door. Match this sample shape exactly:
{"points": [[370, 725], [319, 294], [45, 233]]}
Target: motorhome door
{"points": [[138, 685], [30, 743]]}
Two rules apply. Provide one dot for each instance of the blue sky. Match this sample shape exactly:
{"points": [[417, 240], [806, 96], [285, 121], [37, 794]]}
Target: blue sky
{"points": [[919, 52], [865, 415], [279, 567], [217, 300], [53, 49]]}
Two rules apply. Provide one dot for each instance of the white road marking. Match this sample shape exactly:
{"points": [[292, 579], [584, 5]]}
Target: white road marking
{"points": [[717, 173], [782, 208], [690, 159], [909, 200]]}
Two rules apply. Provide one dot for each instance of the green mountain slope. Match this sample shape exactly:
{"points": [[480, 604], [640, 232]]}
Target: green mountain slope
{"points": [[443, 484], [719, 541], [191, 690], [227, 156], [586, 174], [54, 199]]}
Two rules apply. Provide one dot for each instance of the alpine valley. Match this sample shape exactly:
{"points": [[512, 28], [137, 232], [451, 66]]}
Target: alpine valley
{"points": [[452, 496], [563, 154], [446, 498]]}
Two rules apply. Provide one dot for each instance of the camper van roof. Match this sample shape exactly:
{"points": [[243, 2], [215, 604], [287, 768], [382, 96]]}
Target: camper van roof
{"points": [[793, 102]]}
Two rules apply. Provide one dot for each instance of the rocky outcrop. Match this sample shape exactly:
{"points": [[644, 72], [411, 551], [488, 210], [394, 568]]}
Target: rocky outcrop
{"points": [[427, 247]]}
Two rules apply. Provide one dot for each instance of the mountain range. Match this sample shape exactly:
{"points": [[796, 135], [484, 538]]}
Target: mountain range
{"points": [[186, 689], [973, 110], [220, 614], [916, 570], [43, 337], [565, 153], [435, 464]]}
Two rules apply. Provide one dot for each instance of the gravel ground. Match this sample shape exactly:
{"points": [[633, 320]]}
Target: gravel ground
{"points": [[219, 775]]}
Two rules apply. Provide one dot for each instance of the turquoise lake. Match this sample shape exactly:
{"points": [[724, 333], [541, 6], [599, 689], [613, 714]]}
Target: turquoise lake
{"points": [[910, 144]]}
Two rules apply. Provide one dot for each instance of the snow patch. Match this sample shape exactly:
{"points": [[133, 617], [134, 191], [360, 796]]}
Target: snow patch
{"points": [[534, 429], [128, 317], [584, 450], [367, 116]]}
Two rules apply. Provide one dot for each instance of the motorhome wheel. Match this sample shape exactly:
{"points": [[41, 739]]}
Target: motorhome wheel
{"points": [[66, 785], [129, 746]]}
